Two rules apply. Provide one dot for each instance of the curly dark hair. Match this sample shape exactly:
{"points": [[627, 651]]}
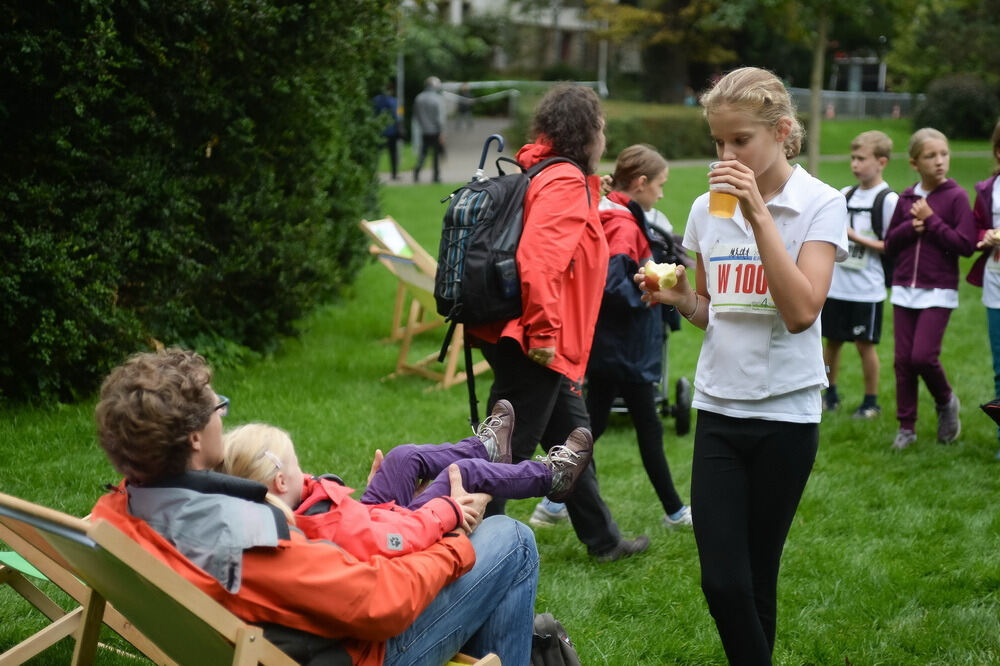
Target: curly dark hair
{"points": [[148, 407], [569, 118]]}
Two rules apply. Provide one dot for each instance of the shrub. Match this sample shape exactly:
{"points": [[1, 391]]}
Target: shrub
{"points": [[183, 172], [675, 131], [960, 105]]}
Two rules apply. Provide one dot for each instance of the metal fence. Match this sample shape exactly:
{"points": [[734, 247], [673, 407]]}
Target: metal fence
{"points": [[862, 105]]}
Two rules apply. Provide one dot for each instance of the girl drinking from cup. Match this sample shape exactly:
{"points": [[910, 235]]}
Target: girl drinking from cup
{"points": [[761, 280]]}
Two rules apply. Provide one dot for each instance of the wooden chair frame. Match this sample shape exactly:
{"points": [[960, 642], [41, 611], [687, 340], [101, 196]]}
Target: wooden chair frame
{"points": [[414, 268], [182, 623], [26, 541]]}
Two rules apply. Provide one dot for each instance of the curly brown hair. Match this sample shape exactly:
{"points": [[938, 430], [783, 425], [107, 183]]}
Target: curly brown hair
{"points": [[148, 407], [569, 118]]}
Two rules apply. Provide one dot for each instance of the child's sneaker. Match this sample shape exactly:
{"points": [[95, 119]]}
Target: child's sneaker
{"points": [[904, 438], [567, 462], [495, 432], [949, 424], [548, 513], [681, 518], [831, 402], [868, 412]]}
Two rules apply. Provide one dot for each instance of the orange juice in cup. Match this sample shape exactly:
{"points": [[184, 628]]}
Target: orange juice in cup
{"points": [[721, 203]]}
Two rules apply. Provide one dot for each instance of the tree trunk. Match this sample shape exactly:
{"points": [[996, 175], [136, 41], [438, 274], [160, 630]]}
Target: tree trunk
{"points": [[816, 91]]}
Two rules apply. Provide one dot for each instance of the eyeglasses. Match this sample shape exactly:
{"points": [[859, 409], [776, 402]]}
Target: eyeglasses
{"points": [[223, 406]]}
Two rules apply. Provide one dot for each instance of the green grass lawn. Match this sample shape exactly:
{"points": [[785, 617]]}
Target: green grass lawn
{"points": [[892, 559]]}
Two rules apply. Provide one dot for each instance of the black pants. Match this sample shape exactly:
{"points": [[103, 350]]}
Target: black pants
{"points": [[392, 145], [640, 398], [746, 481], [430, 142], [546, 410]]}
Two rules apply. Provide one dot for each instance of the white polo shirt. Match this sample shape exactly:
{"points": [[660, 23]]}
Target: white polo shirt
{"points": [[750, 366]]}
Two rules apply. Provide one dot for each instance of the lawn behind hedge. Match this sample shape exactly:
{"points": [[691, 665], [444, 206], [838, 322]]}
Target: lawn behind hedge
{"points": [[892, 558]]}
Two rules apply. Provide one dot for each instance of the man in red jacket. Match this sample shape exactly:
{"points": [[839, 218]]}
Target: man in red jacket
{"points": [[160, 423], [539, 359]]}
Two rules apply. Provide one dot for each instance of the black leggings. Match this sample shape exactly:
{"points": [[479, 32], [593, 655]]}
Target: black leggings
{"points": [[640, 398], [746, 481]]}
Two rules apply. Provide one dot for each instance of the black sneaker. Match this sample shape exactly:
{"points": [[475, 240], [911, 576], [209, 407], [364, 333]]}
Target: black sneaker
{"points": [[495, 432], [625, 548], [567, 462]]}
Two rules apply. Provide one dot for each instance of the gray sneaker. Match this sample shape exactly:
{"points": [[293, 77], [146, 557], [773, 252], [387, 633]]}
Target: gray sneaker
{"points": [[567, 463], [904, 438], [949, 423], [625, 548], [495, 432]]}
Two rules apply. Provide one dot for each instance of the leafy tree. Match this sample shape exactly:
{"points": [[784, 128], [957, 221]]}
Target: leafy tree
{"points": [[940, 38], [187, 172], [673, 34]]}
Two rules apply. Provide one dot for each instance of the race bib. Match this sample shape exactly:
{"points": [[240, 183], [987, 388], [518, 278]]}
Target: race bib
{"points": [[737, 282], [857, 257]]}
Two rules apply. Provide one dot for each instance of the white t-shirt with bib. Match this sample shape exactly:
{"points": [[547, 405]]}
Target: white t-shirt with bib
{"points": [[860, 278], [921, 298], [750, 366], [991, 276]]}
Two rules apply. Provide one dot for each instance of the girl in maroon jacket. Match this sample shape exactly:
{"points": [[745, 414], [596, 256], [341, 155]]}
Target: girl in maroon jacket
{"points": [[985, 272], [931, 227]]}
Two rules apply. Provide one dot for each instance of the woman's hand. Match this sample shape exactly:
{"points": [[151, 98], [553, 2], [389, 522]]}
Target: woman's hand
{"points": [[542, 355], [990, 239]]}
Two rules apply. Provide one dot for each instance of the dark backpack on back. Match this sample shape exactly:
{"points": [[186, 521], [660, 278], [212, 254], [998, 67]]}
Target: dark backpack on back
{"points": [[477, 281], [877, 225]]}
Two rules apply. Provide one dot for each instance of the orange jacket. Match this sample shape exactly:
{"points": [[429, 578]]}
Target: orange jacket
{"points": [[365, 530], [316, 586], [562, 259]]}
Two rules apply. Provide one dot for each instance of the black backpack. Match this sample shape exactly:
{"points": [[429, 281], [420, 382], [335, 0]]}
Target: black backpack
{"points": [[477, 281], [877, 225]]}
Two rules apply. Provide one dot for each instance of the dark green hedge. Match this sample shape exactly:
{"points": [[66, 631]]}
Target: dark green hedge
{"points": [[189, 172], [675, 131]]}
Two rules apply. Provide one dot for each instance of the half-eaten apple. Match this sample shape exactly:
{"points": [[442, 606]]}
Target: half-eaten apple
{"points": [[660, 276]]}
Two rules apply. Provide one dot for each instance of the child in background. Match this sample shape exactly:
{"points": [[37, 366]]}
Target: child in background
{"points": [[627, 354], [762, 278], [853, 309], [396, 514], [931, 227], [985, 271]]}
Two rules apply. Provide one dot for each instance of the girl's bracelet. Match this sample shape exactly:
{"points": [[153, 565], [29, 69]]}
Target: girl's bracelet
{"points": [[689, 316]]}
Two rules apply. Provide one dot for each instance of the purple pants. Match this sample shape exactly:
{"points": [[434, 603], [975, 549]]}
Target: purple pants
{"points": [[918, 335], [406, 464]]}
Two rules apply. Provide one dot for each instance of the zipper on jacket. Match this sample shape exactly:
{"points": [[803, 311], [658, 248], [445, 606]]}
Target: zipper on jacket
{"points": [[916, 262]]}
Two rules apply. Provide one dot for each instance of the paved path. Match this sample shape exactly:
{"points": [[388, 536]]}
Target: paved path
{"points": [[464, 147]]}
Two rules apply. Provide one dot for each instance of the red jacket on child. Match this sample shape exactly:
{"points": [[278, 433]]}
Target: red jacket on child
{"points": [[329, 512]]}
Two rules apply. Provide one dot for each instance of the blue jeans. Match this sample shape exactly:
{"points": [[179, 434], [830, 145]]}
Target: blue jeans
{"points": [[993, 326], [489, 609]]}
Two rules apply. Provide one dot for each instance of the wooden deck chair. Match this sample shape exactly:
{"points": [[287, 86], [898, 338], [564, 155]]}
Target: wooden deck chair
{"points": [[415, 268], [184, 622], [39, 560]]}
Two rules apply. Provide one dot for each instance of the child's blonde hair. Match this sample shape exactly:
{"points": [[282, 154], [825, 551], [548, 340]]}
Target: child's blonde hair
{"points": [[879, 142], [760, 93], [256, 451], [922, 136], [637, 160]]}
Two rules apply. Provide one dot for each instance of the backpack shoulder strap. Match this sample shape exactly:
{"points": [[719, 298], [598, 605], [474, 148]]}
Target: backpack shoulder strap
{"points": [[877, 206]]}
